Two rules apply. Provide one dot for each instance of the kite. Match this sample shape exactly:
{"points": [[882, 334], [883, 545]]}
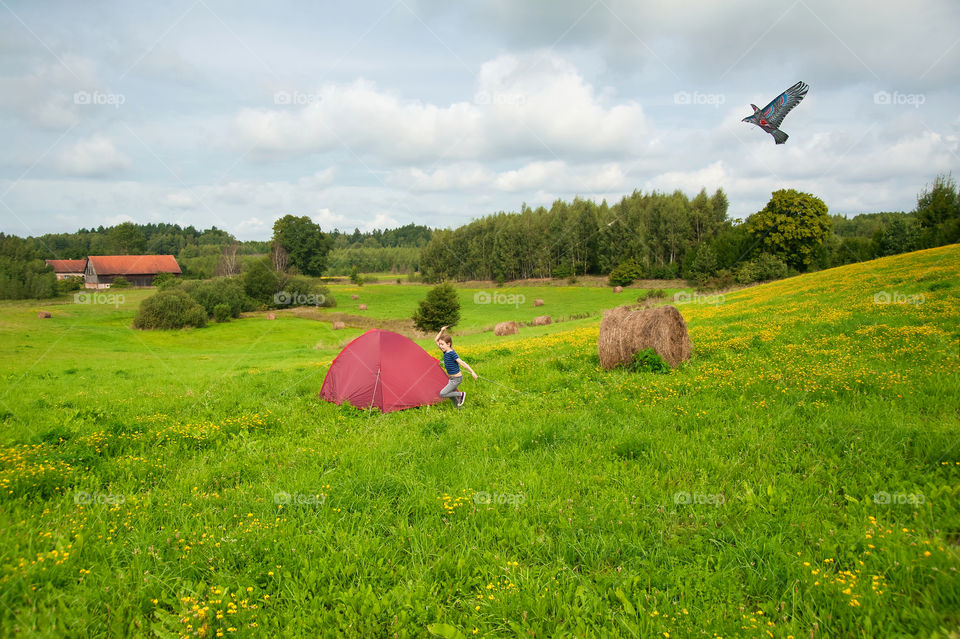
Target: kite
{"points": [[771, 116]]}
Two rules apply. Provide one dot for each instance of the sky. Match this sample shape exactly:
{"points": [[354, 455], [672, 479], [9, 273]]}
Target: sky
{"points": [[378, 114]]}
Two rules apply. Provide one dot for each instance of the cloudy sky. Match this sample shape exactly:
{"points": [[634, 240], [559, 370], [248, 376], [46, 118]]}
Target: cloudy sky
{"points": [[377, 114]]}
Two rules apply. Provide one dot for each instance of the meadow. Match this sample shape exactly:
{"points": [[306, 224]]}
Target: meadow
{"points": [[798, 477]]}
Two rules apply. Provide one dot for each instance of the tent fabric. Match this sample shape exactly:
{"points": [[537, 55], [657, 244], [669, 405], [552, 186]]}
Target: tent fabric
{"points": [[386, 370]]}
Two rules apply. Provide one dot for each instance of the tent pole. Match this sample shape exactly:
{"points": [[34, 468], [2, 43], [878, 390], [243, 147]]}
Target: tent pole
{"points": [[375, 385]]}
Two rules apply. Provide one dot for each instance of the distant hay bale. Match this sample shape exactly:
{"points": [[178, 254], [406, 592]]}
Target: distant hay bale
{"points": [[271, 316], [506, 328], [338, 326], [354, 297], [44, 314], [542, 320], [538, 302], [362, 307], [624, 332], [618, 289]]}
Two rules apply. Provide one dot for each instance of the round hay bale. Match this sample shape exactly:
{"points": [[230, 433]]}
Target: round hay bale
{"points": [[338, 326], [618, 289], [542, 320], [271, 316], [624, 332], [354, 297], [538, 302], [362, 307], [44, 314], [506, 328]]}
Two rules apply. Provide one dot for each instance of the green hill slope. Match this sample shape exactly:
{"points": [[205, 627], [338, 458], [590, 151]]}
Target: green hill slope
{"points": [[798, 475]]}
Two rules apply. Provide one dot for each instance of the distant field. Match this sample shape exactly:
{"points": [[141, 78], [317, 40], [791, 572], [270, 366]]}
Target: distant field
{"points": [[482, 308], [797, 477]]}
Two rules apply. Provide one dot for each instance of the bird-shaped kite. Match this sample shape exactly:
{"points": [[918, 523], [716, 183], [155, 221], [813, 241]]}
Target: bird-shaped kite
{"points": [[771, 116]]}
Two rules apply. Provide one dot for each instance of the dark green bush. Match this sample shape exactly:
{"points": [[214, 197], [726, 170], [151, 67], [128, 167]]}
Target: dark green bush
{"points": [[301, 291], [440, 308], [260, 282], [221, 312], [120, 282], [69, 284], [762, 268], [625, 273], [163, 280], [169, 309], [721, 281], [220, 290]]}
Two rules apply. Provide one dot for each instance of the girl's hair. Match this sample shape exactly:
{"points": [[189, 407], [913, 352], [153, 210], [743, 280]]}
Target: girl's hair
{"points": [[447, 338]]}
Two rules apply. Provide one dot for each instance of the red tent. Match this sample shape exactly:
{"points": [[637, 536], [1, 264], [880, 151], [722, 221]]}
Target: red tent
{"points": [[386, 370]]}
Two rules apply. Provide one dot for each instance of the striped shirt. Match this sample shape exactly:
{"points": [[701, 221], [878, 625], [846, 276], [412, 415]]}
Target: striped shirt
{"points": [[450, 362]]}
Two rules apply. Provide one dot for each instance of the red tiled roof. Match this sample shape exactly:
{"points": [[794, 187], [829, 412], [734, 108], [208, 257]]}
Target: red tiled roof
{"points": [[67, 266], [133, 264]]}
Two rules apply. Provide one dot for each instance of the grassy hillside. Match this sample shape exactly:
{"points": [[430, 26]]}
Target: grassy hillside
{"points": [[797, 477]]}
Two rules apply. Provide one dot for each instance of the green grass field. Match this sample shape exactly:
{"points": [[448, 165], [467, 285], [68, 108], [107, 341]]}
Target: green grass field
{"points": [[797, 477]]}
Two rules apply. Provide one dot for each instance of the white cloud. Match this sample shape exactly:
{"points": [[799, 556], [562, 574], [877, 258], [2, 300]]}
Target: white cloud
{"points": [[522, 106], [318, 179], [44, 93], [252, 226], [179, 200], [549, 176], [94, 156]]}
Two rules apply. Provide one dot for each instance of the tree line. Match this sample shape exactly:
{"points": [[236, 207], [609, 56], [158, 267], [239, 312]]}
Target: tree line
{"points": [[670, 235]]}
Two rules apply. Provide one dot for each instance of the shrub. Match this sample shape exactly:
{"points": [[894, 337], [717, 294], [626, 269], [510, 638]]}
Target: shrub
{"points": [[647, 360], [120, 282], [221, 290], [169, 309], [440, 308], [260, 282], [355, 276], [625, 273], [163, 280], [301, 291], [763, 268], [221, 312], [722, 280], [69, 284]]}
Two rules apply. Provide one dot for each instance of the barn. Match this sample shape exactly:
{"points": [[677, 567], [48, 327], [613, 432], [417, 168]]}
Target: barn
{"points": [[67, 268], [139, 270]]}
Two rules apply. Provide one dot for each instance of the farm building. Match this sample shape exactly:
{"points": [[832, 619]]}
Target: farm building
{"points": [[67, 268], [139, 270]]}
